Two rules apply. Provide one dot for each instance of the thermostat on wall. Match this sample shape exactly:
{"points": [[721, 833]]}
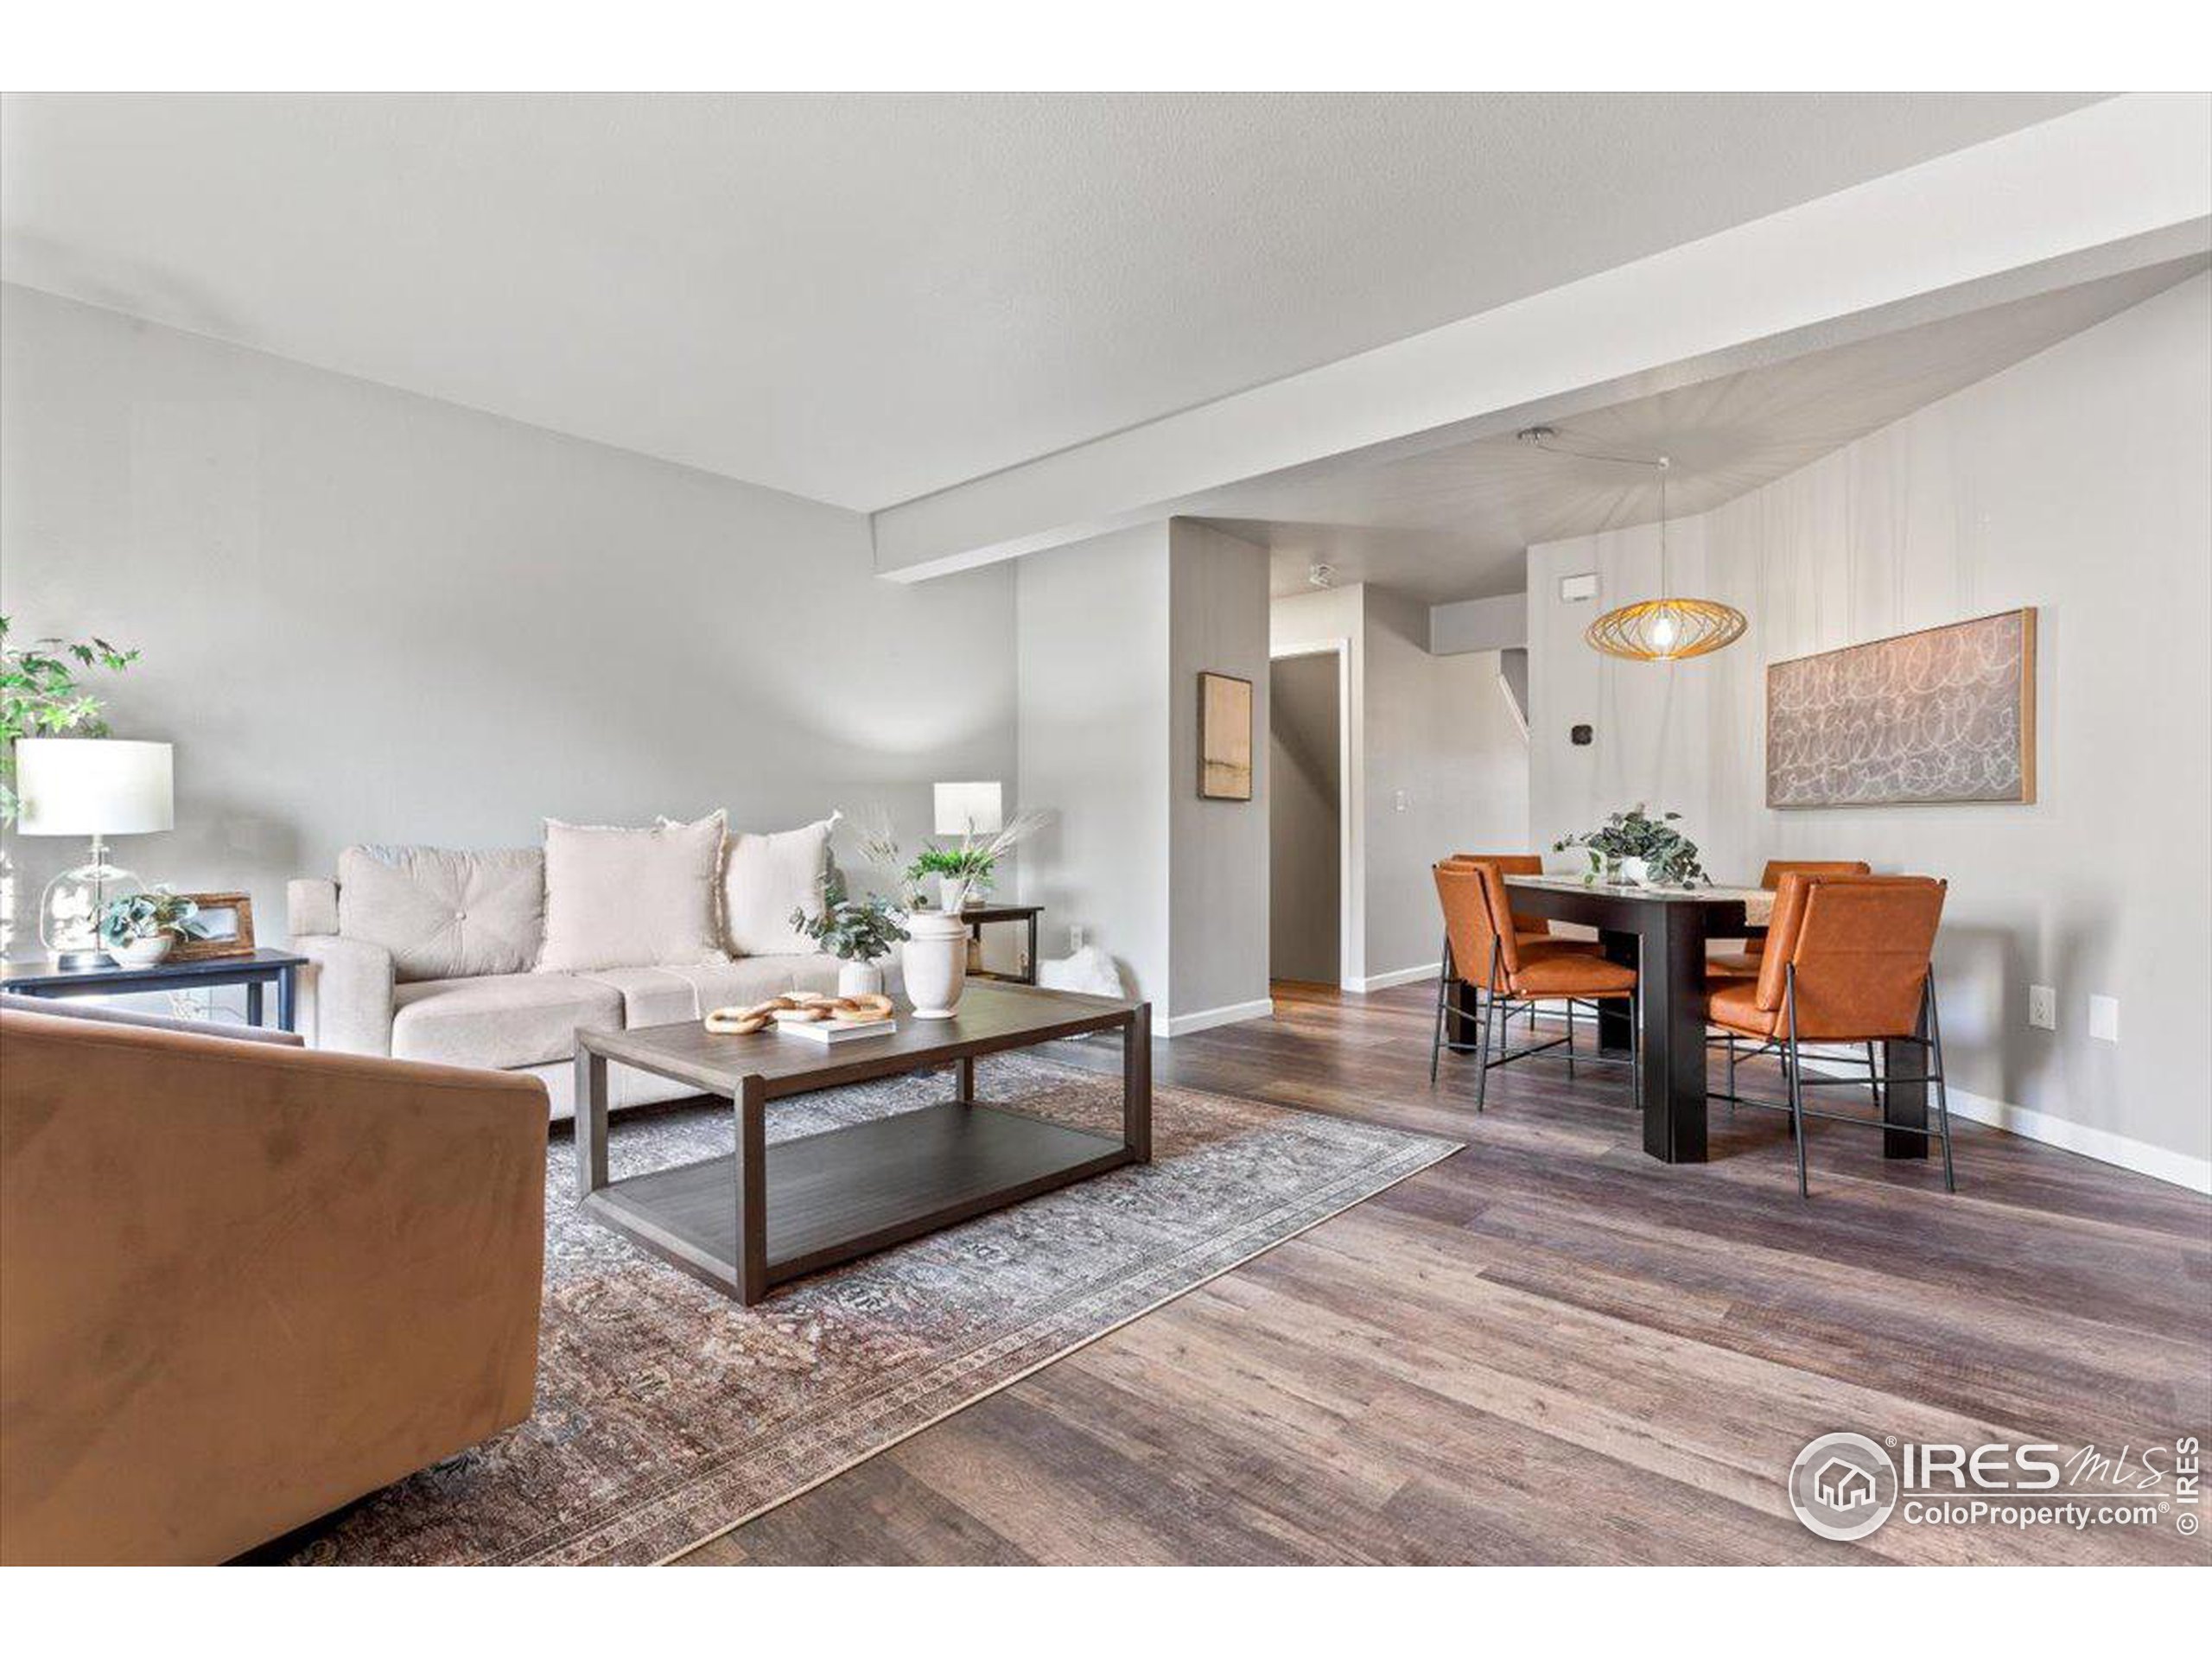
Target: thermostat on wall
{"points": [[1582, 586]]}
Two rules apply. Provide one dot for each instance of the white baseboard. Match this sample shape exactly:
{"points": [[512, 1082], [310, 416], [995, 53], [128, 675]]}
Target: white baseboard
{"points": [[1182, 1025], [1395, 977], [2177, 1168]]}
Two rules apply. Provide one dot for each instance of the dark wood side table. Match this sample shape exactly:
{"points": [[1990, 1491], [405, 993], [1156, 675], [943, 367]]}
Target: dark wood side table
{"points": [[976, 915], [39, 977]]}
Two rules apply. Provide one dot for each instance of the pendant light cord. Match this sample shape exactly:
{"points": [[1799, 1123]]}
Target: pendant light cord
{"points": [[1546, 439]]}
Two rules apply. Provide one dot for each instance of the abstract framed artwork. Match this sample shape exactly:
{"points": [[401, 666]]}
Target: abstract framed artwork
{"points": [[1944, 714], [1225, 738]]}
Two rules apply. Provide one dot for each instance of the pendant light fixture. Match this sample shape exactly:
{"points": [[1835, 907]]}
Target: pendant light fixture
{"points": [[1661, 630]]}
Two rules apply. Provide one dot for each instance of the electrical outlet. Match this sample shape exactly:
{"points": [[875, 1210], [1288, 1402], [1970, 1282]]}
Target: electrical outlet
{"points": [[1398, 800], [1075, 936], [2104, 1019], [2043, 1008]]}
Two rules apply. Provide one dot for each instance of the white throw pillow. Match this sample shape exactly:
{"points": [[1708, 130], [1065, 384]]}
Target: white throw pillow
{"points": [[765, 878], [444, 915], [630, 898]]}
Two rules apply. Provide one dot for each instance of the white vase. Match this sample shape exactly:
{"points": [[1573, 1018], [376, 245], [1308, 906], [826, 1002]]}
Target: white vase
{"points": [[141, 953], [935, 957], [1636, 873], [952, 893], [860, 979]]}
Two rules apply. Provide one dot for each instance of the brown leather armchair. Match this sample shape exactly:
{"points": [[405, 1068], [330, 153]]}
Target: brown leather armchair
{"points": [[243, 1284]]}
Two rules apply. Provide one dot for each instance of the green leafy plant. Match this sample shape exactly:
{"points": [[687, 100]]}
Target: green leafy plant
{"points": [[968, 862], [852, 929], [40, 695], [973, 858], [148, 915], [1672, 855]]}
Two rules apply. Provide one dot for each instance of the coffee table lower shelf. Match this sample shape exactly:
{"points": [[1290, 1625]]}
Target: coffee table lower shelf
{"points": [[846, 1193]]}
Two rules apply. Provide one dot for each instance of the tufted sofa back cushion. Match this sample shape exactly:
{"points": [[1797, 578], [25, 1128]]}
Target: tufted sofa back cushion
{"points": [[445, 915]]}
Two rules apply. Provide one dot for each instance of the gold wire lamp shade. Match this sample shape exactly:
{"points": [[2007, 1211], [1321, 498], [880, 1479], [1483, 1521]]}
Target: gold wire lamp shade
{"points": [[1666, 630], [1662, 630]]}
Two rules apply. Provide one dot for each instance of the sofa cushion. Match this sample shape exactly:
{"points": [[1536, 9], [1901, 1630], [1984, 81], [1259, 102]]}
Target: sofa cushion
{"points": [[631, 898], [444, 915], [500, 1021], [667, 996], [765, 878]]}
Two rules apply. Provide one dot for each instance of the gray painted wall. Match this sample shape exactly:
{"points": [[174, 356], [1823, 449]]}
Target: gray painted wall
{"points": [[371, 616], [2075, 481], [1091, 645], [1478, 624], [1218, 622], [1111, 634], [1305, 782]]}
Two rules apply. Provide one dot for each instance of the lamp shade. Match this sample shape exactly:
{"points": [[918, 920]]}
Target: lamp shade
{"points": [[968, 809], [93, 786]]}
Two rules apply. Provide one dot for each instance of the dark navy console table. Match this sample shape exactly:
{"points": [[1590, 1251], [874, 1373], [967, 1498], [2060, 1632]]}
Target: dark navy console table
{"points": [[40, 977]]}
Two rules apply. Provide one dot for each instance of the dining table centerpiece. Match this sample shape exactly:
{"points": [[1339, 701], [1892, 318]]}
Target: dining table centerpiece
{"points": [[1634, 849]]}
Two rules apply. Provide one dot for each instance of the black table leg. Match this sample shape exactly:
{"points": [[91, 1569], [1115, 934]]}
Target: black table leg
{"points": [[1613, 1013], [253, 1001], [1905, 1103], [287, 985], [1671, 991], [1461, 1027], [1030, 977]]}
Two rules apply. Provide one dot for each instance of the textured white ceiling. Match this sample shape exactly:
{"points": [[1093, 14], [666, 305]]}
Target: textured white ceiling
{"points": [[866, 298], [1452, 523]]}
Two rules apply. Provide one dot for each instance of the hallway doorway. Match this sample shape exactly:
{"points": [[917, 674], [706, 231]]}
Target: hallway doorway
{"points": [[1306, 693]]}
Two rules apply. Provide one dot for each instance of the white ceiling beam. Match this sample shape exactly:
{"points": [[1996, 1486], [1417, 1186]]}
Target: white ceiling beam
{"points": [[2135, 170]]}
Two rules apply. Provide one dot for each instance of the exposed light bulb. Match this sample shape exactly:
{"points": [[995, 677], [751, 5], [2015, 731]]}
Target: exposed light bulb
{"points": [[1662, 631]]}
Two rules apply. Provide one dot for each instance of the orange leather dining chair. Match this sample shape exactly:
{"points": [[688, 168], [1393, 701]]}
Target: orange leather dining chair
{"points": [[1744, 964], [1528, 928], [1482, 946], [1848, 960]]}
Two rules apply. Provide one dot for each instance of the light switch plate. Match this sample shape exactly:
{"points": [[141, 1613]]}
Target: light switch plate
{"points": [[2104, 1019], [2043, 1008], [1075, 936]]}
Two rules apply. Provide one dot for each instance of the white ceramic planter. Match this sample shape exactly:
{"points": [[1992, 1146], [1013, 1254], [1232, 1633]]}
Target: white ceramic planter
{"points": [[860, 979], [1636, 873], [935, 958], [143, 953], [952, 893]]}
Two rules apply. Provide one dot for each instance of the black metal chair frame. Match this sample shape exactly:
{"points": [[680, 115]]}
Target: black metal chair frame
{"points": [[1794, 1079], [1485, 1014]]}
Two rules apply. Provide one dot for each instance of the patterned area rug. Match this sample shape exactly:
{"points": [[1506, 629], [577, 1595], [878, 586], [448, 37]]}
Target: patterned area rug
{"points": [[667, 1414]]}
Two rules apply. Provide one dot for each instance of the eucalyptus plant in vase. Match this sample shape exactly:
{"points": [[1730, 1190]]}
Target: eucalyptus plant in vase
{"points": [[1633, 849], [858, 932]]}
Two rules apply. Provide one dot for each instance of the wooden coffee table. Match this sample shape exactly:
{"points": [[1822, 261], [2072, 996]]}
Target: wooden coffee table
{"points": [[772, 1214]]}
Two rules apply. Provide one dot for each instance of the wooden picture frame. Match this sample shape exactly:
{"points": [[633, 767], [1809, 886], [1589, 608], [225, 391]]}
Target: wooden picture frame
{"points": [[1225, 738], [1940, 716], [232, 915]]}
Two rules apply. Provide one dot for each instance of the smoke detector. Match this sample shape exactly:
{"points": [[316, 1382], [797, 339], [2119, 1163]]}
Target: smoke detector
{"points": [[1321, 576]]}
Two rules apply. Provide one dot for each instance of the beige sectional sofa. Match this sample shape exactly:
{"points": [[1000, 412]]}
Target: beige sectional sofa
{"points": [[423, 954]]}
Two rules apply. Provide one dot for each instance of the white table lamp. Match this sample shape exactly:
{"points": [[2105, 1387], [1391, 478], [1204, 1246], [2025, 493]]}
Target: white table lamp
{"points": [[92, 786], [968, 809]]}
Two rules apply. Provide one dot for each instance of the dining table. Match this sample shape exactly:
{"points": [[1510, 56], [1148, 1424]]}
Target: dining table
{"points": [[1662, 933]]}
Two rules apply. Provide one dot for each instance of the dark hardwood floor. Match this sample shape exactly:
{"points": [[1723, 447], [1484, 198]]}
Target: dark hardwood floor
{"points": [[1549, 1348]]}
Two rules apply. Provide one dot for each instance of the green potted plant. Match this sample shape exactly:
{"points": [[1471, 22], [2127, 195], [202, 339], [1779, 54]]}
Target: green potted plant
{"points": [[1633, 849], [858, 932], [139, 929], [41, 696]]}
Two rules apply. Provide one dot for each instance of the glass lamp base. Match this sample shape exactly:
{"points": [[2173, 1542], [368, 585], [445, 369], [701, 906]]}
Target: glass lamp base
{"points": [[69, 911]]}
